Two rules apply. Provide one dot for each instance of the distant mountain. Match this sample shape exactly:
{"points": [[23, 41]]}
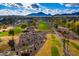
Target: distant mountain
{"points": [[76, 13], [72, 14], [39, 14]]}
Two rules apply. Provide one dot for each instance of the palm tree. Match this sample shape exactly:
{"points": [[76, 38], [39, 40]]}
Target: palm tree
{"points": [[11, 33], [11, 43]]}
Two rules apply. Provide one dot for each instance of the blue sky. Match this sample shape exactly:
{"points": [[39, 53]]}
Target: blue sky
{"points": [[28, 8]]}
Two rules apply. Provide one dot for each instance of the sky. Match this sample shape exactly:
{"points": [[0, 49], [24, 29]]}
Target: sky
{"points": [[47, 8]]}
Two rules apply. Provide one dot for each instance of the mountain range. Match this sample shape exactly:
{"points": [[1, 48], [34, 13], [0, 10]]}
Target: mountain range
{"points": [[43, 14], [72, 14], [39, 14]]}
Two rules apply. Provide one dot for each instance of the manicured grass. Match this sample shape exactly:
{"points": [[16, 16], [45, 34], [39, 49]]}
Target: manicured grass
{"points": [[42, 25], [75, 45], [17, 30], [53, 36], [55, 41], [3, 33], [54, 51], [56, 46]]}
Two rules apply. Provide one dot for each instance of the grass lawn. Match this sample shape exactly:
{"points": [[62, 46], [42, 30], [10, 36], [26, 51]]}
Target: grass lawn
{"points": [[52, 47], [17, 30], [55, 41], [54, 51], [42, 25], [56, 44], [3, 33]]}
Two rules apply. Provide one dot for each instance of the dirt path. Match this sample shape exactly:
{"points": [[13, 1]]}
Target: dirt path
{"points": [[46, 48]]}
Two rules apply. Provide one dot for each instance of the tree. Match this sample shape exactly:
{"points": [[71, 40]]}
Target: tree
{"points": [[71, 23], [67, 24], [23, 25], [77, 27], [11, 32], [11, 43]]}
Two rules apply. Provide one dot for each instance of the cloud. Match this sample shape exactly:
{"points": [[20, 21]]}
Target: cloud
{"points": [[35, 6], [22, 8], [52, 11], [10, 5], [25, 9], [69, 11], [70, 4], [13, 12]]}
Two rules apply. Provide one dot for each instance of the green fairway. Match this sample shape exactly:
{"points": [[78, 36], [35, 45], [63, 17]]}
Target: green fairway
{"points": [[42, 25], [54, 51], [17, 30], [55, 41]]}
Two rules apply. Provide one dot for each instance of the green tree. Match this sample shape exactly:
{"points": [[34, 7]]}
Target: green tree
{"points": [[67, 24], [23, 25], [71, 23], [77, 27], [11, 32]]}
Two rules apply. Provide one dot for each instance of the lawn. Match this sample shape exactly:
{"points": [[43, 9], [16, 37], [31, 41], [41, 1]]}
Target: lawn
{"points": [[56, 44], [17, 30], [3, 33], [54, 51], [42, 25], [52, 47], [55, 41]]}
